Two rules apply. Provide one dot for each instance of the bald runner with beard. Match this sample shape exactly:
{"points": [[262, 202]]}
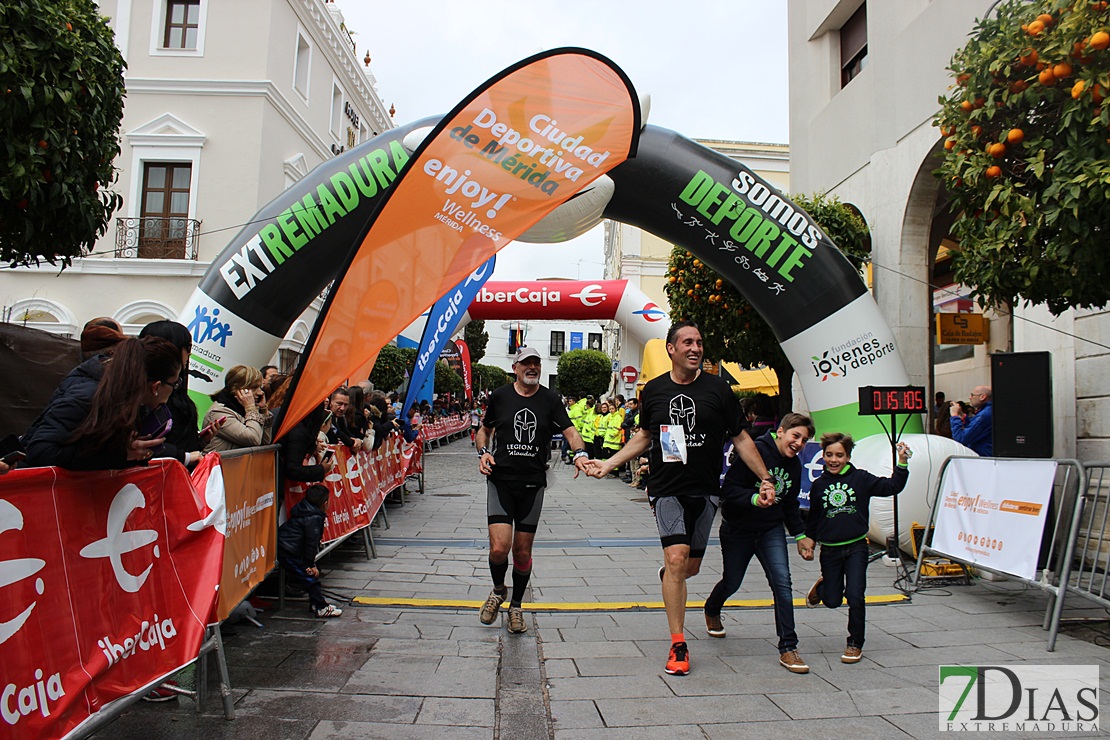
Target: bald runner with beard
{"points": [[686, 416], [519, 423]]}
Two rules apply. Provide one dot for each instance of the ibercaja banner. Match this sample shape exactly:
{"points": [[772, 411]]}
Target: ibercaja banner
{"points": [[509, 154], [106, 589], [358, 485]]}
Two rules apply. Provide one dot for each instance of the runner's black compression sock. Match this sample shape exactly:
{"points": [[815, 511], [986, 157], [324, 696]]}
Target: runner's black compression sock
{"points": [[520, 583], [498, 571]]}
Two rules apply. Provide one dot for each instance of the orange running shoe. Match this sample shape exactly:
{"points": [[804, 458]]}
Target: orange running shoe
{"points": [[678, 664]]}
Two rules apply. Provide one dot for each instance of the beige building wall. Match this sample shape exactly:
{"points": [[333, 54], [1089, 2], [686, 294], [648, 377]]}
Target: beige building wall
{"points": [[237, 110], [871, 142]]}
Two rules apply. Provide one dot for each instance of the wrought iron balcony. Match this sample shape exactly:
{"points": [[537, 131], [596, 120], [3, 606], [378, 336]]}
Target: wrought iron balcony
{"points": [[157, 237]]}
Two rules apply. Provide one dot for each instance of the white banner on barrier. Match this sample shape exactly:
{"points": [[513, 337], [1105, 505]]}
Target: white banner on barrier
{"points": [[992, 513]]}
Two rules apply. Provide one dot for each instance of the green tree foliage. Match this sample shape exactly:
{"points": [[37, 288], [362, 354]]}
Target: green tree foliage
{"points": [[585, 371], [447, 380], [476, 340], [488, 377], [1027, 158], [731, 329], [61, 103], [389, 369]]}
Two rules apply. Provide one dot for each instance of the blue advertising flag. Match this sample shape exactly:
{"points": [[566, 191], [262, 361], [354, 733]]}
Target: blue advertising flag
{"points": [[443, 319]]}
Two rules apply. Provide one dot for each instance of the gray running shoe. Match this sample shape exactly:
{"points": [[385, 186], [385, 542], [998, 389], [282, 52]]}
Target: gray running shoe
{"points": [[492, 606], [517, 625]]}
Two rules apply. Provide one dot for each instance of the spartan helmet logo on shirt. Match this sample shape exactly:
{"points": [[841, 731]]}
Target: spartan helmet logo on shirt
{"points": [[682, 412], [524, 426]]}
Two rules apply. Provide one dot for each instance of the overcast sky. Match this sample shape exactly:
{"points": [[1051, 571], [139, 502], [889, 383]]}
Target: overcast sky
{"points": [[715, 69]]}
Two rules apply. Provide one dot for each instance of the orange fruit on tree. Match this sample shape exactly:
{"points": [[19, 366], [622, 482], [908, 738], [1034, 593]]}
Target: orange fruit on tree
{"points": [[1015, 136], [979, 102], [1018, 86], [949, 145], [1046, 19], [1100, 40], [1096, 94], [962, 79], [1046, 77], [997, 149], [1035, 28], [976, 130], [966, 106], [1077, 89], [1062, 70], [1029, 58], [993, 171]]}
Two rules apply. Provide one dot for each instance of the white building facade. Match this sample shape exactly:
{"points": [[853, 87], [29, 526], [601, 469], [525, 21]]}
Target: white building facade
{"points": [[228, 103]]}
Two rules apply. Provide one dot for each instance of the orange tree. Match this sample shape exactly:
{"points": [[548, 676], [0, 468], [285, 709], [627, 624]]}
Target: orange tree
{"points": [[61, 103], [1027, 154], [731, 329]]}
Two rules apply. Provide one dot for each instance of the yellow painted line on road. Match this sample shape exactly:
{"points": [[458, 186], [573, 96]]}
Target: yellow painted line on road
{"points": [[593, 606]]}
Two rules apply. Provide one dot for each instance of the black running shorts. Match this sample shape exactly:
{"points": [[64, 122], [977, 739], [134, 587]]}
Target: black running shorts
{"points": [[514, 503], [685, 520]]}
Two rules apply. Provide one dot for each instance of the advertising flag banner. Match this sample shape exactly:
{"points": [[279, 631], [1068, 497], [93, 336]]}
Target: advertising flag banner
{"points": [[106, 588], [992, 512], [443, 319], [509, 154], [467, 370], [239, 491]]}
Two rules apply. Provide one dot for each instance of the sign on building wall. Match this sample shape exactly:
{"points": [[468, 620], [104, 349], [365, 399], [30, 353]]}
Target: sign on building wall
{"points": [[962, 328]]}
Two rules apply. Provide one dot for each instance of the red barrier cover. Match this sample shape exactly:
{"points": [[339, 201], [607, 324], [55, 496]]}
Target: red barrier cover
{"points": [[359, 484], [106, 589]]}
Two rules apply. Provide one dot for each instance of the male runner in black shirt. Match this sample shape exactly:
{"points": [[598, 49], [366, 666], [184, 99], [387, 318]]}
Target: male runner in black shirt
{"points": [[521, 419], [685, 418]]}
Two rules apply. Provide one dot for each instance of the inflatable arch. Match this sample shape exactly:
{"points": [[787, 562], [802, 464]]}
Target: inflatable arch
{"points": [[766, 246]]}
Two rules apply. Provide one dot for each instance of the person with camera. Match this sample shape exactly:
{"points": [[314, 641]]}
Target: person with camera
{"points": [[975, 432]]}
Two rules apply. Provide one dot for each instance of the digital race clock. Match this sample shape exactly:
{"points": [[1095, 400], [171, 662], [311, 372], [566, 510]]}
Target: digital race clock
{"points": [[881, 399]]}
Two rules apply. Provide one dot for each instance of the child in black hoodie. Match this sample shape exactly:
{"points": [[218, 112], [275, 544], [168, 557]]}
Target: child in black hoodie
{"points": [[749, 528], [298, 544], [839, 509]]}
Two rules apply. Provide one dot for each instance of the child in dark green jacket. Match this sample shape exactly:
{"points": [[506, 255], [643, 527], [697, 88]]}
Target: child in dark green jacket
{"points": [[839, 517]]}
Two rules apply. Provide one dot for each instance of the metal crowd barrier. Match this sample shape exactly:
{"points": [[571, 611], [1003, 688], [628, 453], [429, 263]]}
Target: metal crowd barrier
{"points": [[1085, 568]]}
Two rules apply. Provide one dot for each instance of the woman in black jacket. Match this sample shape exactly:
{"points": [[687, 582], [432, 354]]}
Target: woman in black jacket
{"points": [[97, 421]]}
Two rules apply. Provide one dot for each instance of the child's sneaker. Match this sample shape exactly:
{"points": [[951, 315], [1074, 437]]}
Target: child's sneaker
{"points": [[329, 610], [791, 661], [852, 654]]}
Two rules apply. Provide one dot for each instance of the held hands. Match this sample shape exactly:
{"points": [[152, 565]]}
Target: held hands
{"points": [[766, 494], [581, 465], [595, 468], [805, 548]]}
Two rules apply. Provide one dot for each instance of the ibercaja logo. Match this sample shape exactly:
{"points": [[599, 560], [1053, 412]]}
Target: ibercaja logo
{"points": [[1019, 698]]}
